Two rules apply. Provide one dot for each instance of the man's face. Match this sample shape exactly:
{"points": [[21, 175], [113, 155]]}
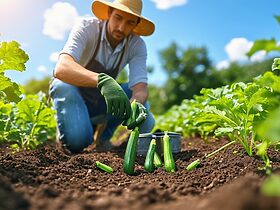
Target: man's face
{"points": [[120, 25]]}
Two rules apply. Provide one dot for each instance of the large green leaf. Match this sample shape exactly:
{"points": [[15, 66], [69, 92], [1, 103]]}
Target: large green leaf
{"points": [[264, 44], [271, 80], [12, 57], [11, 91], [276, 64]]}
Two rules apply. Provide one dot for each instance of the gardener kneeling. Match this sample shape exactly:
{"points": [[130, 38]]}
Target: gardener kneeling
{"points": [[84, 91]]}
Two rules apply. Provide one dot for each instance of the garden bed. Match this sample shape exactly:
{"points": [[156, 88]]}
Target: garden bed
{"points": [[49, 179]]}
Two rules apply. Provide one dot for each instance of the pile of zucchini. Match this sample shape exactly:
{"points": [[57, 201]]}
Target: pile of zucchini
{"points": [[152, 159]]}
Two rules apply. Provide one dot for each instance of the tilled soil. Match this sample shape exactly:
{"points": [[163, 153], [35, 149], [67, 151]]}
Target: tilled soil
{"points": [[50, 179]]}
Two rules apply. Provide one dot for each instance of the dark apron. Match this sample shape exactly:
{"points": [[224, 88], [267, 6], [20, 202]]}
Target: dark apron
{"points": [[92, 96]]}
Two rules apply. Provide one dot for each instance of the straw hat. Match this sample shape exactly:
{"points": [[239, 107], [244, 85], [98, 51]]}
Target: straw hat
{"points": [[144, 28]]}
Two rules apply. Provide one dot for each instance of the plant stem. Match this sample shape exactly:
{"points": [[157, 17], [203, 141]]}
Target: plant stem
{"points": [[221, 148], [244, 144], [252, 142], [197, 162]]}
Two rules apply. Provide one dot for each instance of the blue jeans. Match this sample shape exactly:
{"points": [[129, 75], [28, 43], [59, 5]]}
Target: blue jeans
{"points": [[77, 118]]}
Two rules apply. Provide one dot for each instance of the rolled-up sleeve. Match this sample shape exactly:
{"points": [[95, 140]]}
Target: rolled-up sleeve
{"points": [[80, 37], [137, 63]]}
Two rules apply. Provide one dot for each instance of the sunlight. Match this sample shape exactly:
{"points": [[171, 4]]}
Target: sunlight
{"points": [[3, 1], [12, 9]]}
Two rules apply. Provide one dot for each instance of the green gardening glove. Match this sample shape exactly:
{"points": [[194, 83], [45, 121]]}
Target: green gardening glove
{"points": [[116, 100], [137, 117]]}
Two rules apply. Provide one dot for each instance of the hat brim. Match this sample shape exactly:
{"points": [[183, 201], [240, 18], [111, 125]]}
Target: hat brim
{"points": [[100, 9]]}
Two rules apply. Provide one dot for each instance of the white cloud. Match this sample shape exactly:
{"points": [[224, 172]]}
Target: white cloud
{"points": [[54, 57], [42, 69], [223, 64], [258, 56], [237, 49], [59, 20], [166, 4]]}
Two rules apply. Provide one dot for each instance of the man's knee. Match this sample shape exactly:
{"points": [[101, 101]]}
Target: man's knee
{"points": [[77, 141], [59, 88]]}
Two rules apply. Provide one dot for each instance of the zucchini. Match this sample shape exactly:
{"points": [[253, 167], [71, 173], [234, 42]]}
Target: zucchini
{"points": [[130, 152], [193, 165], [104, 167], [149, 161], [157, 160], [167, 154], [131, 121]]}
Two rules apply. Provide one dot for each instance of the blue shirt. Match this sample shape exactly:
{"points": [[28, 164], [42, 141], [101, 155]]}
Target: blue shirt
{"points": [[82, 42]]}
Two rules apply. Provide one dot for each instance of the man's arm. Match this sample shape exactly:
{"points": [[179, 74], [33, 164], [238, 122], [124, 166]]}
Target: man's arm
{"points": [[69, 71], [139, 92]]}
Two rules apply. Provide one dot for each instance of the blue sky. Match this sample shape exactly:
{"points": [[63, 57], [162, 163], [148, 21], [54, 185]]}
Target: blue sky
{"points": [[226, 27]]}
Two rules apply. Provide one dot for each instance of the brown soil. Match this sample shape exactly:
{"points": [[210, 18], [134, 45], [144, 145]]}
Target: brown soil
{"points": [[49, 179]]}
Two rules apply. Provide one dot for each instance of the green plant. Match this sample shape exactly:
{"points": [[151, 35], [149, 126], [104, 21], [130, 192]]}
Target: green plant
{"points": [[240, 112], [267, 45], [11, 58], [31, 122], [25, 120], [269, 132], [271, 186], [197, 162]]}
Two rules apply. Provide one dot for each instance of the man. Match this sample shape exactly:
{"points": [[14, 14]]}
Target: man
{"points": [[84, 91]]}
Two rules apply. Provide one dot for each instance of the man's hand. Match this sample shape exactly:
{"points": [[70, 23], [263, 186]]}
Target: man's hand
{"points": [[138, 115], [116, 100]]}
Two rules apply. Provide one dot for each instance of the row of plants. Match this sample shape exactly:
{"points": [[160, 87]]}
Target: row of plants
{"points": [[245, 113], [25, 120]]}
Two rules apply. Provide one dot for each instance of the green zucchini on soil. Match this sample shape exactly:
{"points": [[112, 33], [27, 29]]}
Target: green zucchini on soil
{"points": [[167, 154], [149, 161], [157, 160], [130, 152], [104, 167]]}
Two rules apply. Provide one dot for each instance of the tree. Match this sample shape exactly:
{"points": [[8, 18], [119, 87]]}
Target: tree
{"points": [[188, 71], [242, 72], [33, 86]]}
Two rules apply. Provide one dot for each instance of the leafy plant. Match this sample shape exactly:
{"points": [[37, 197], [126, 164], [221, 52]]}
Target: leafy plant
{"points": [[25, 120], [234, 111], [11, 57]]}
